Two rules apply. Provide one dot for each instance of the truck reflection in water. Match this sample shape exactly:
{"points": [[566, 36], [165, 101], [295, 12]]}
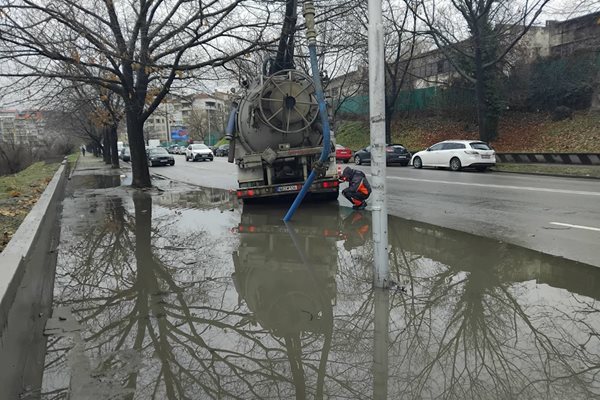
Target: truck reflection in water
{"points": [[155, 314], [286, 276]]}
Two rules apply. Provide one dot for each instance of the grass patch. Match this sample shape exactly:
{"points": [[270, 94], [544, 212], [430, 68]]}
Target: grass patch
{"points": [[71, 158], [354, 135], [221, 141], [565, 170], [19, 193], [518, 132]]}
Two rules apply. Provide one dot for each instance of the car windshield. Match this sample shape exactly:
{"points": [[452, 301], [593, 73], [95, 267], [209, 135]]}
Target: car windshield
{"points": [[339, 147], [199, 146], [480, 146], [158, 150]]}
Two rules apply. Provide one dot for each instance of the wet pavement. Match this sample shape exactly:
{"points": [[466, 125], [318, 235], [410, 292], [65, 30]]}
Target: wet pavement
{"points": [[181, 293]]}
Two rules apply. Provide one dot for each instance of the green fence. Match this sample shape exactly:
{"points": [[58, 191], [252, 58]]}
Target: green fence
{"points": [[426, 99]]}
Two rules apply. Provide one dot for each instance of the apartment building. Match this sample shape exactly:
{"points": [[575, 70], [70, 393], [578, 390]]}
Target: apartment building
{"points": [[173, 114]]}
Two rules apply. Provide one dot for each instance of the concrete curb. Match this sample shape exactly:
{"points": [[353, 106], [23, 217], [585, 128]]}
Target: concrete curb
{"points": [[545, 174], [550, 158], [13, 258]]}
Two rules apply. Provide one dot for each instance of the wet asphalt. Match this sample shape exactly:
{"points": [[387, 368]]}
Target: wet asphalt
{"points": [[558, 216], [182, 293]]}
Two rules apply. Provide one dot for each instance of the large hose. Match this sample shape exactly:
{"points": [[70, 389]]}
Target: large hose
{"points": [[311, 35]]}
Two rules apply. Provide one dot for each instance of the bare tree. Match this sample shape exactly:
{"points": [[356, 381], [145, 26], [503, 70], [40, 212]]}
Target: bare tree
{"points": [[136, 50], [476, 36], [400, 39]]}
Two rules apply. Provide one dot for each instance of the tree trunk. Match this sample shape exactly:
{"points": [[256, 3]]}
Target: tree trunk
{"points": [[114, 151], [137, 146], [480, 91], [106, 145]]}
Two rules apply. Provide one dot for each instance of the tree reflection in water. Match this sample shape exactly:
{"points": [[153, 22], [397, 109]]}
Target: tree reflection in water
{"points": [[166, 313], [475, 324]]}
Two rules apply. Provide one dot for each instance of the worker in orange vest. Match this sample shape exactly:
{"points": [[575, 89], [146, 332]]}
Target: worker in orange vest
{"points": [[359, 188]]}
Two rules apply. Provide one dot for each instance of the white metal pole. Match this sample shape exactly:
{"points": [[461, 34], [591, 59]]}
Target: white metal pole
{"points": [[167, 118], [208, 116], [377, 125]]}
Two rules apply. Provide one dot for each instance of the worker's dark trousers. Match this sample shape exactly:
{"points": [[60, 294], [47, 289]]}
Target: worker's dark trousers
{"points": [[355, 198]]}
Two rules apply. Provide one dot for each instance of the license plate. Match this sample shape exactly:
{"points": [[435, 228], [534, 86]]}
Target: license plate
{"points": [[288, 188], [484, 156]]}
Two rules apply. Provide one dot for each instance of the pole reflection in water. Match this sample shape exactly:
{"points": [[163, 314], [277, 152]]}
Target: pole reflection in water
{"points": [[380, 353], [174, 297]]}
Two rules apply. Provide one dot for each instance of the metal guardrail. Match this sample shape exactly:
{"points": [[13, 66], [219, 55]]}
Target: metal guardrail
{"points": [[549, 158]]}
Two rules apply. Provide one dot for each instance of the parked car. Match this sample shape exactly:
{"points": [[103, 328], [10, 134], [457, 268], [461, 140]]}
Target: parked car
{"points": [[172, 149], [394, 154], [222, 150], [159, 156], [126, 154], [197, 152], [180, 149], [456, 154], [342, 153]]}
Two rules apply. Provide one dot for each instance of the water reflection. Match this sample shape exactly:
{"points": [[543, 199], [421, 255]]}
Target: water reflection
{"points": [[177, 296], [286, 276], [476, 322], [97, 181]]}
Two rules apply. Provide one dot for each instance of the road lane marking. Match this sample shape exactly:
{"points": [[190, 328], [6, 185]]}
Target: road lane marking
{"points": [[589, 228], [491, 185]]}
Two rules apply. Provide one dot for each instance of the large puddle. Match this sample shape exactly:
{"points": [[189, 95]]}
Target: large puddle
{"points": [[185, 295]]}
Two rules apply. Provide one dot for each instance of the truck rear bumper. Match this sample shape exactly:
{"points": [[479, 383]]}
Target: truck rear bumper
{"points": [[287, 189]]}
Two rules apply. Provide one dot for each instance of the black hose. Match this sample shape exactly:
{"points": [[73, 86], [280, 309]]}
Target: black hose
{"points": [[285, 50]]}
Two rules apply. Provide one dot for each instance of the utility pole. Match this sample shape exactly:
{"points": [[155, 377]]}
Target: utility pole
{"points": [[208, 117], [378, 145], [167, 118]]}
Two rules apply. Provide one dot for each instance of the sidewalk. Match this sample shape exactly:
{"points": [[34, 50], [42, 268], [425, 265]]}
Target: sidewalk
{"points": [[559, 170], [89, 162]]}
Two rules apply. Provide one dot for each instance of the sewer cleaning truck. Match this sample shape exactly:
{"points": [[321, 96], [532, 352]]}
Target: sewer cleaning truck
{"points": [[276, 128]]}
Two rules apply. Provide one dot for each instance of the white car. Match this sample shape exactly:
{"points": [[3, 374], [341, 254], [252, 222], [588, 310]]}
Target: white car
{"points": [[456, 154], [197, 152]]}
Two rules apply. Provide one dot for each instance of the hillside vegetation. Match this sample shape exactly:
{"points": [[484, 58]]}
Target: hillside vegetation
{"points": [[518, 132]]}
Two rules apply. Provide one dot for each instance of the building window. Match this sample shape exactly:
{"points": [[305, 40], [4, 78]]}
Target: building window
{"points": [[210, 104]]}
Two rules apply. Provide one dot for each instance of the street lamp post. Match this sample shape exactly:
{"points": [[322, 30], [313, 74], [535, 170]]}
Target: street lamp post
{"points": [[209, 133], [167, 118]]}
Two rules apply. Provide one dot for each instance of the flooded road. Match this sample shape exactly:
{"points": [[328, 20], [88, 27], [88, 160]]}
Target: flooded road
{"points": [[184, 294]]}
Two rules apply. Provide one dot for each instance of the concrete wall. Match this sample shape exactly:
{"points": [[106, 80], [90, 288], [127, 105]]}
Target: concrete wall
{"points": [[577, 34], [27, 267]]}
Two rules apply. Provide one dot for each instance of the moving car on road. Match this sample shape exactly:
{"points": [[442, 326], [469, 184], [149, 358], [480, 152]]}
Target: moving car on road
{"points": [[456, 154], [342, 153], [222, 150], [394, 154], [197, 152], [159, 156]]}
